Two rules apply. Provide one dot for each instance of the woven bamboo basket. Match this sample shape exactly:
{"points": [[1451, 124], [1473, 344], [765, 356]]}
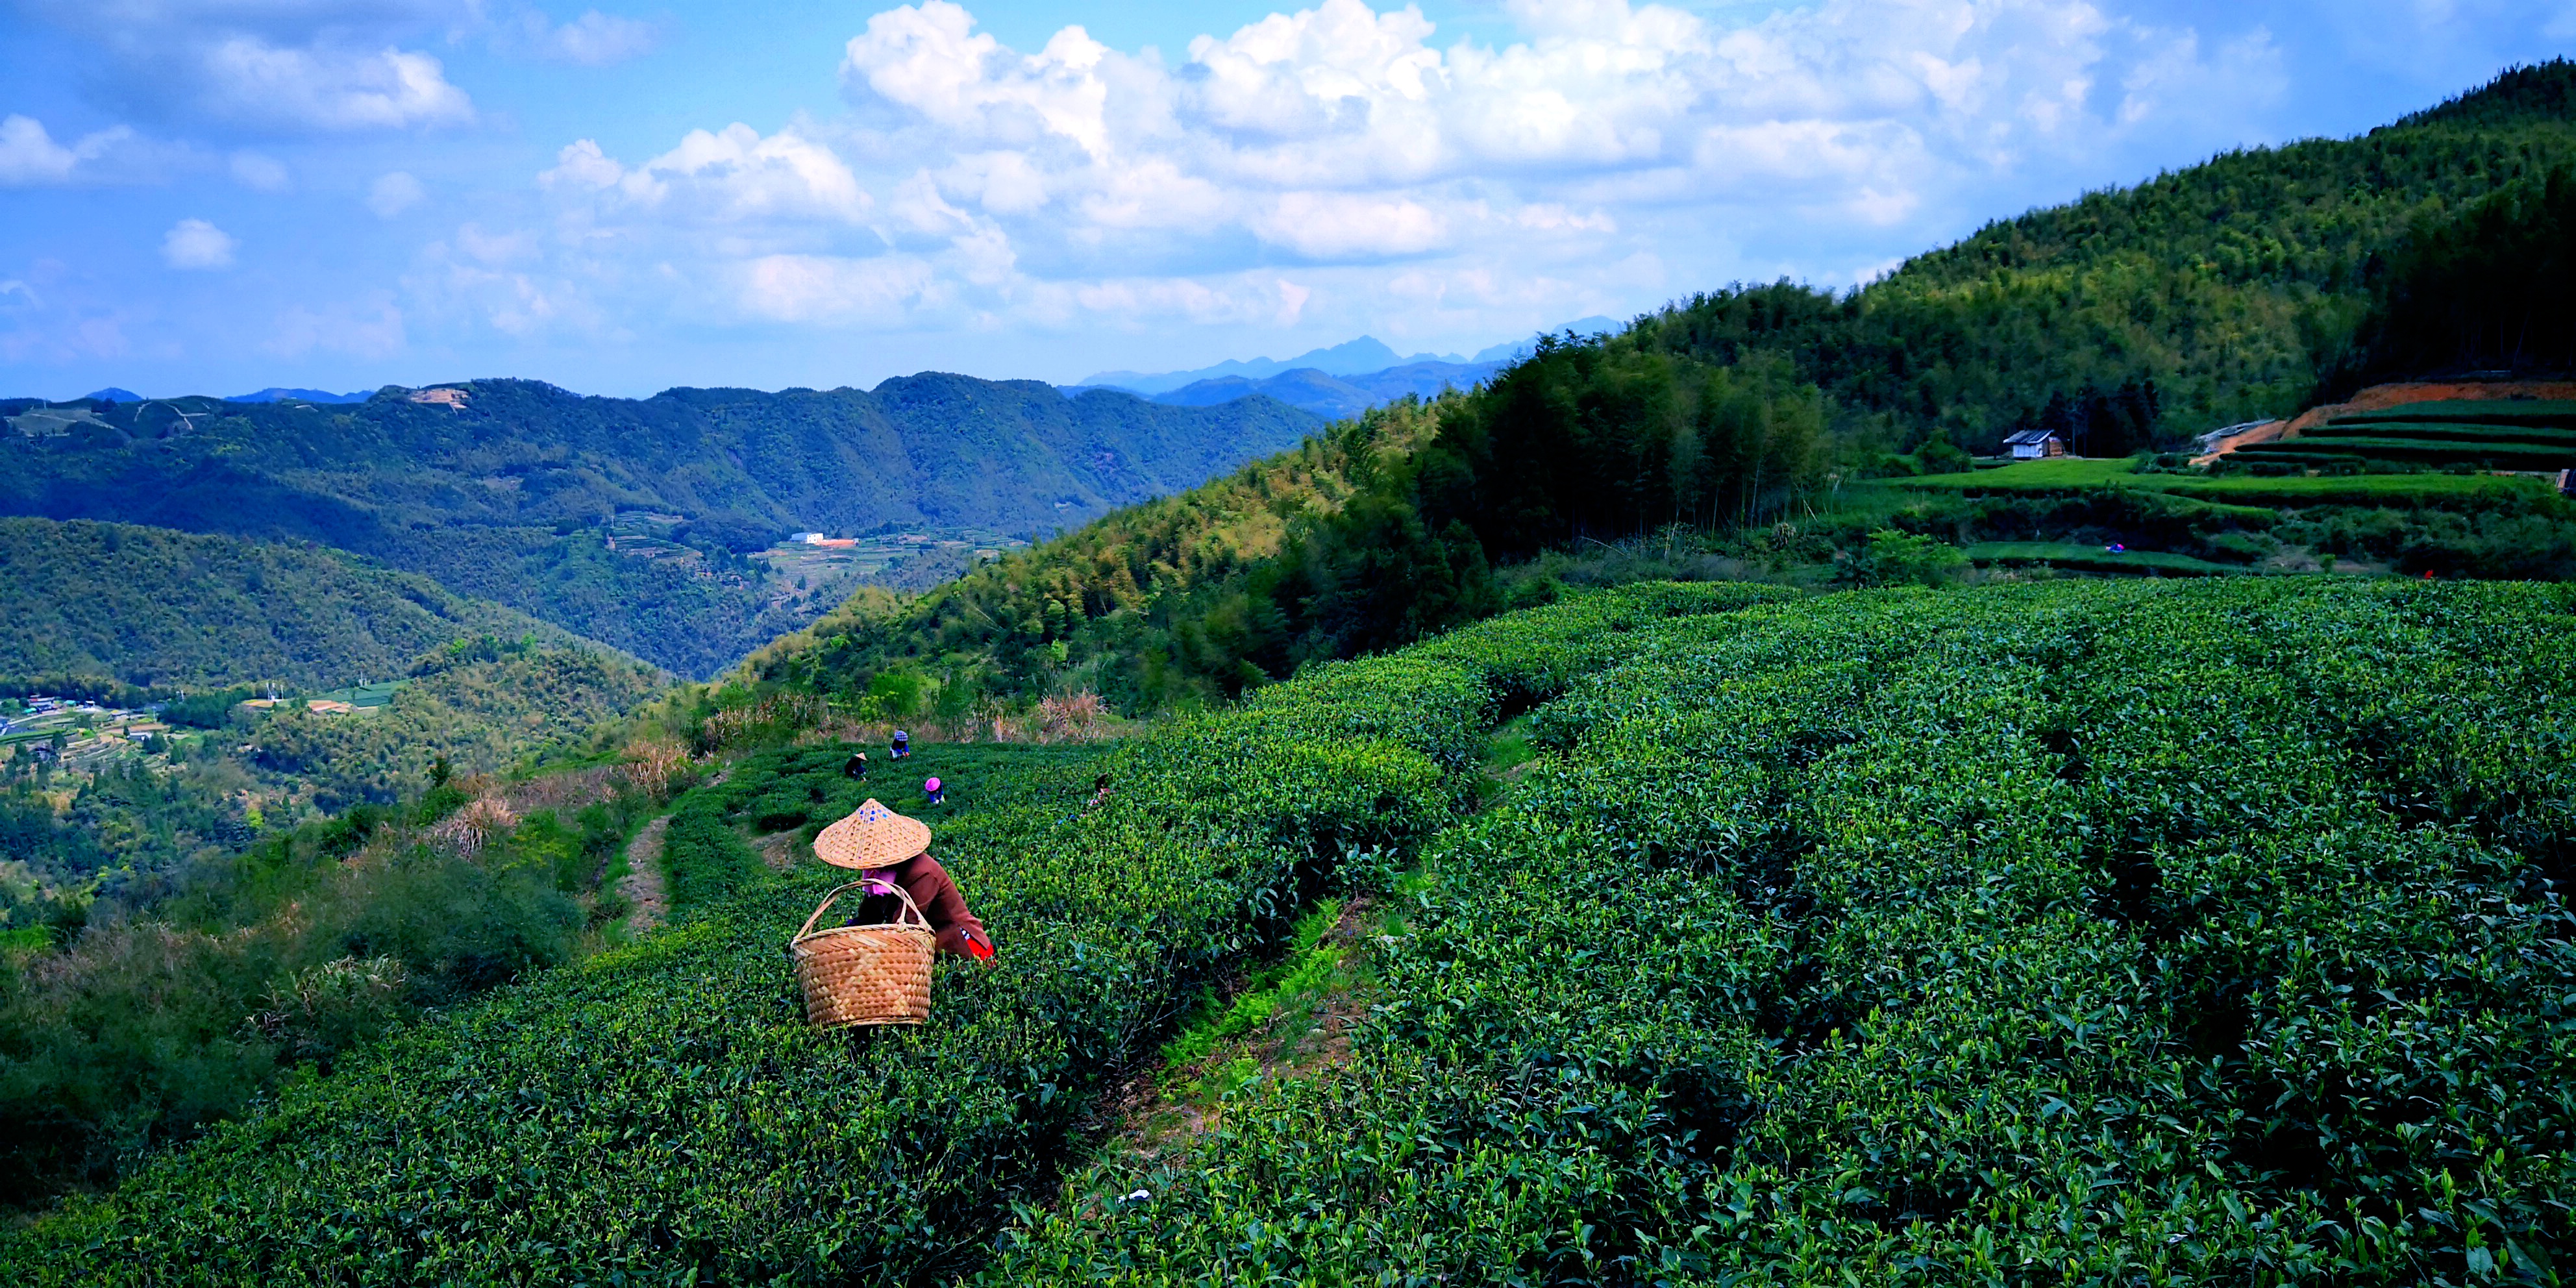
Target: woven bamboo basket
{"points": [[854, 975]]}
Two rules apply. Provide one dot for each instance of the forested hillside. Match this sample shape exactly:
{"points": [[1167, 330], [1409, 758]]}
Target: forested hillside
{"points": [[514, 490], [2491, 290], [153, 607], [2224, 283], [476, 707], [1750, 421]]}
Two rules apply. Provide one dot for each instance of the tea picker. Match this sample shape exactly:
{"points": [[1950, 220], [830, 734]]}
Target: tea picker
{"points": [[899, 746], [933, 792], [875, 967]]}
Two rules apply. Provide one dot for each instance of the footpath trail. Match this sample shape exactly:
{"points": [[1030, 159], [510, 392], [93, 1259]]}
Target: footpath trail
{"points": [[642, 884]]}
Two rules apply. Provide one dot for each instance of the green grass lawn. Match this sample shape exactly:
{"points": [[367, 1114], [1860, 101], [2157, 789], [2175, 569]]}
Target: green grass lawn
{"points": [[2067, 554], [2046, 475]]}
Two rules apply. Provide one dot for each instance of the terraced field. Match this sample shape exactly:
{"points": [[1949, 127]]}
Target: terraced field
{"points": [[2493, 434], [2070, 476], [2082, 931]]}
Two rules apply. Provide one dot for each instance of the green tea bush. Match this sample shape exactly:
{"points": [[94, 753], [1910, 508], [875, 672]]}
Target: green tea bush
{"points": [[2077, 932], [1529, 657], [660, 1112]]}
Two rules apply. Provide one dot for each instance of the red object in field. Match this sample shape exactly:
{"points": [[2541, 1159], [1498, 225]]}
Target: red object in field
{"points": [[2428, 574], [982, 951]]}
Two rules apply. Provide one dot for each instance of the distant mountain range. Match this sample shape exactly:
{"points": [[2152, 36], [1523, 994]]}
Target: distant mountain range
{"points": [[1331, 396], [626, 520], [629, 520], [276, 394], [271, 394], [1363, 356], [1343, 380]]}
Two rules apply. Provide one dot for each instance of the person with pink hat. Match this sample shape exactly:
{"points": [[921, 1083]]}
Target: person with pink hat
{"points": [[888, 850], [932, 793]]}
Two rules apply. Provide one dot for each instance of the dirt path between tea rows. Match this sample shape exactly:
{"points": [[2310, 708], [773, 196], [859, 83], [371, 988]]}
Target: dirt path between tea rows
{"points": [[642, 884]]}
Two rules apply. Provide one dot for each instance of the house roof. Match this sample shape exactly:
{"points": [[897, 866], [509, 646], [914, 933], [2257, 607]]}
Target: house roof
{"points": [[2029, 438]]}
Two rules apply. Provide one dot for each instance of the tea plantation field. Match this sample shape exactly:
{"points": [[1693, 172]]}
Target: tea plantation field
{"points": [[2098, 932], [2080, 933], [661, 1115]]}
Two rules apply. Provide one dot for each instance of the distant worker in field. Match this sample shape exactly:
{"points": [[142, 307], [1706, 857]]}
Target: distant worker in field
{"points": [[887, 850], [856, 767], [933, 793], [1099, 793], [901, 747]]}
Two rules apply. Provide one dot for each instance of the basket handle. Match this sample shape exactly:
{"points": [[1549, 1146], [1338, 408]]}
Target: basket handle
{"points": [[837, 891]]}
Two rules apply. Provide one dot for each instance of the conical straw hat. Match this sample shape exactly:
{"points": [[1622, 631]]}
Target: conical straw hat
{"points": [[872, 837]]}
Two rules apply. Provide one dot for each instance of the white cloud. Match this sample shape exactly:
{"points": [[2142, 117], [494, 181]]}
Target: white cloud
{"points": [[260, 173], [196, 244], [393, 193], [1610, 155], [248, 80], [293, 66], [369, 329], [29, 156], [596, 39], [726, 176], [1333, 225], [816, 288]]}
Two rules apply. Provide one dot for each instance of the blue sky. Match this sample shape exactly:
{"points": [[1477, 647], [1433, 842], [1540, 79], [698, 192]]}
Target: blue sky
{"points": [[220, 195]]}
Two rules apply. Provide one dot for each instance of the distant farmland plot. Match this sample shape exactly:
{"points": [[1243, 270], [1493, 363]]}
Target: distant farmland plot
{"points": [[812, 565], [364, 697]]}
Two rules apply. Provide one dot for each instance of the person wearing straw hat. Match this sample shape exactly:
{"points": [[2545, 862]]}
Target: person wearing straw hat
{"points": [[886, 849]]}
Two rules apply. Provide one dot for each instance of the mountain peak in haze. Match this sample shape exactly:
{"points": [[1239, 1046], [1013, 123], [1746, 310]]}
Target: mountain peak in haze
{"points": [[1350, 358], [113, 394], [275, 393], [1515, 350], [1364, 356]]}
